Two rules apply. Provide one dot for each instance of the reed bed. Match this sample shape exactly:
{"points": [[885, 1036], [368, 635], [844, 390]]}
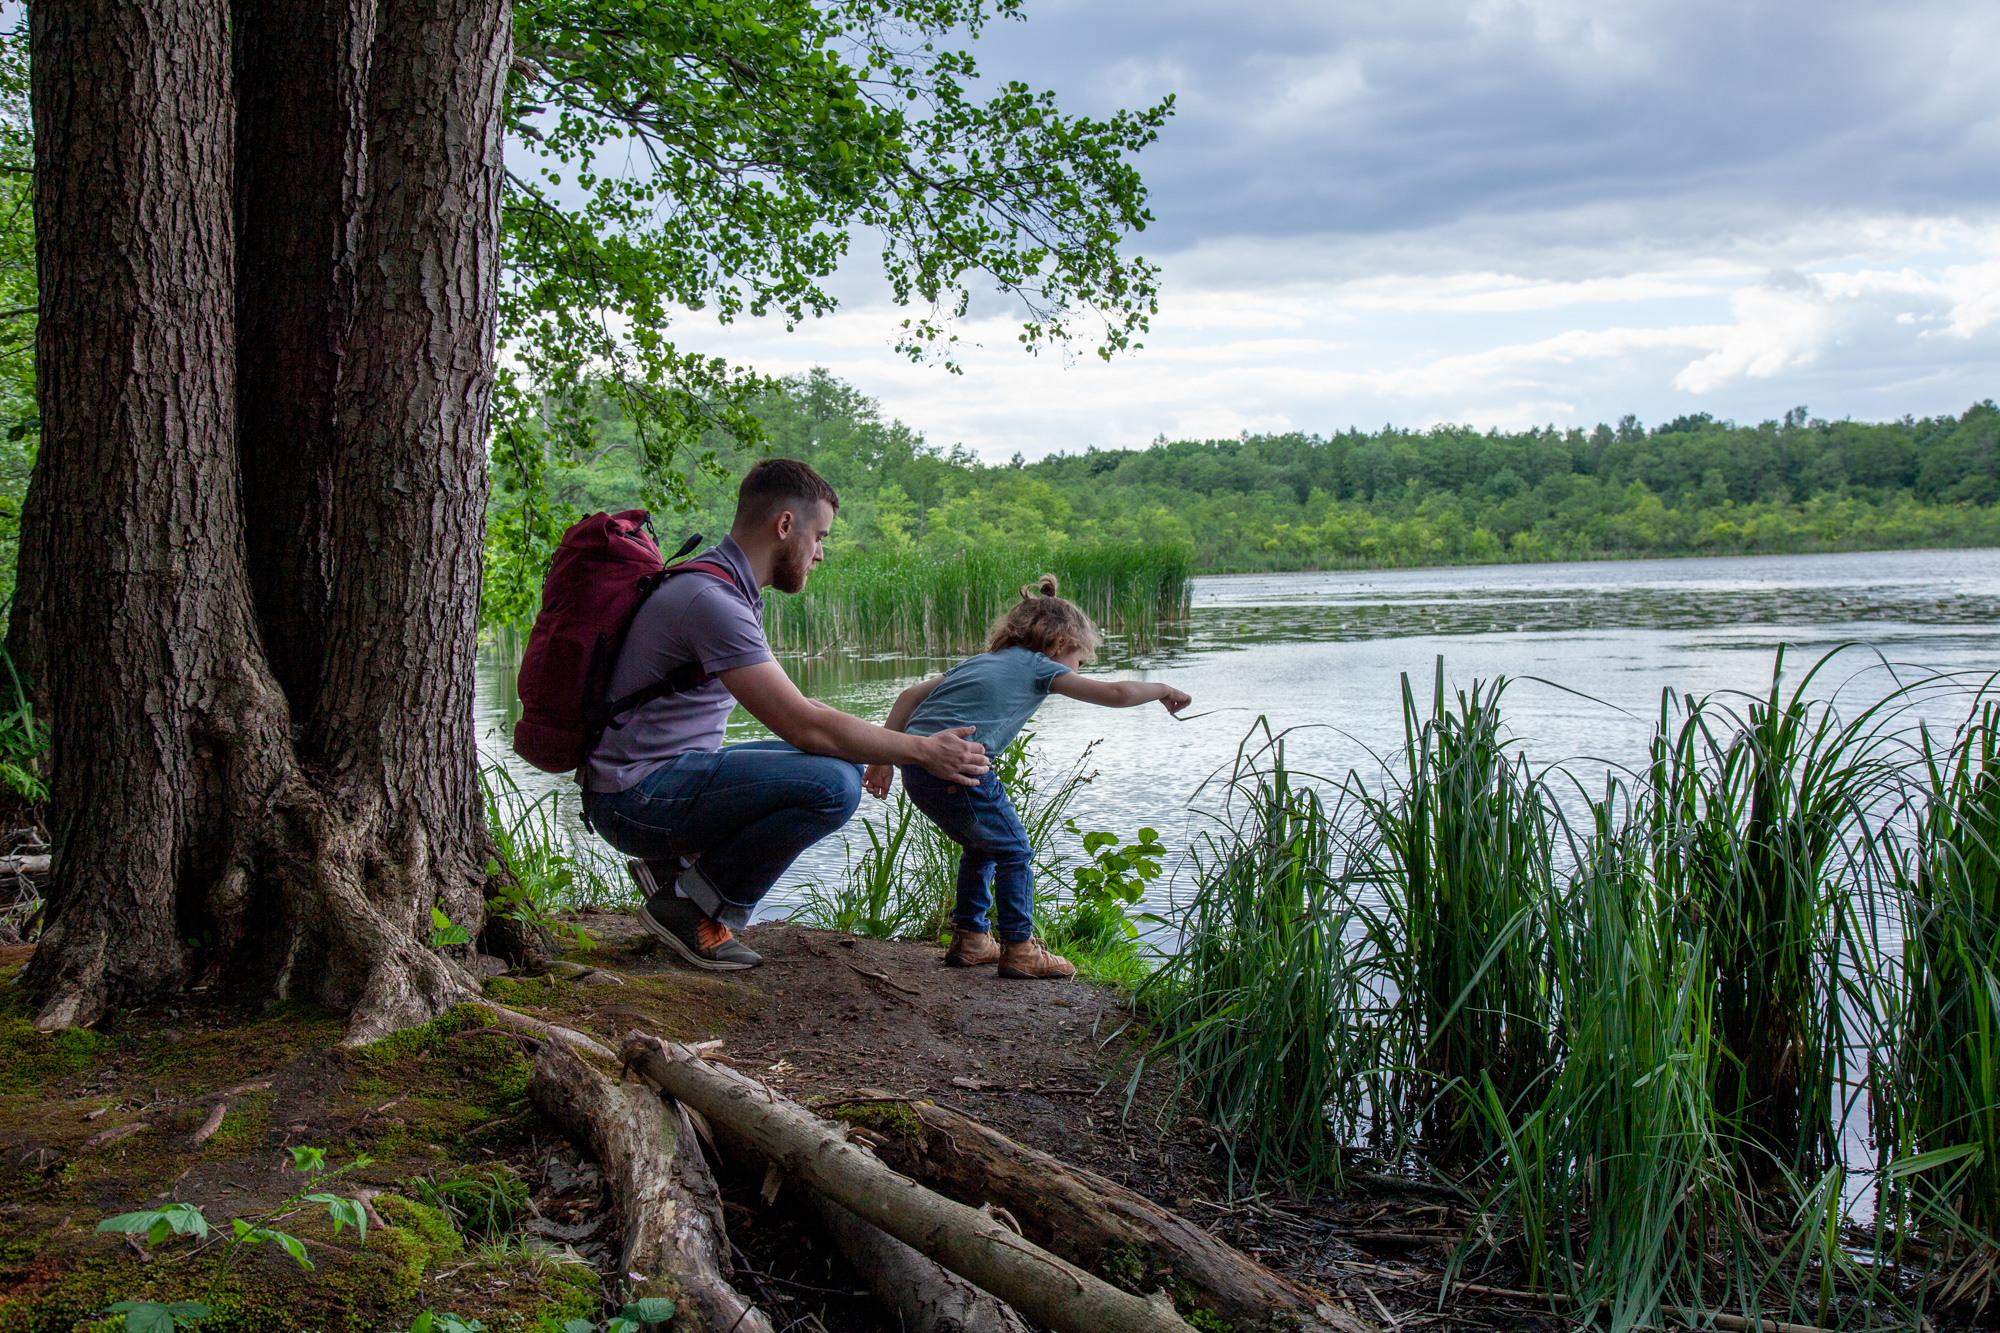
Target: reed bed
{"points": [[929, 605], [1635, 1036]]}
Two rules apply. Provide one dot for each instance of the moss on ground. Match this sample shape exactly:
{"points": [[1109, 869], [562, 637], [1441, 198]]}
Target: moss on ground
{"points": [[32, 1061]]}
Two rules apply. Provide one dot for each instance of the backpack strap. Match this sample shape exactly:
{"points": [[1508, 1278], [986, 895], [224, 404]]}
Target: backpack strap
{"points": [[686, 676]]}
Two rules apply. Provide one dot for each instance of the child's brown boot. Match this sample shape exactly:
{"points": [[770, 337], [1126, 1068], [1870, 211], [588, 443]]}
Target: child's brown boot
{"points": [[1027, 960], [970, 948]]}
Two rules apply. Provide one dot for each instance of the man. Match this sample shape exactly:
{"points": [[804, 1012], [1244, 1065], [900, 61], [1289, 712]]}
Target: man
{"points": [[662, 788]]}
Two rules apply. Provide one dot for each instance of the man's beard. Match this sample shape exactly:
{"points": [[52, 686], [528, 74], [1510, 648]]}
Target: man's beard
{"points": [[794, 561]]}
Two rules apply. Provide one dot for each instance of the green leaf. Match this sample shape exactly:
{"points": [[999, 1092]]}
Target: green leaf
{"points": [[569, 1326], [649, 1310], [309, 1160], [424, 1323], [620, 1324], [145, 1317], [187, 1311], [1909, 1166], [291, 1245]]}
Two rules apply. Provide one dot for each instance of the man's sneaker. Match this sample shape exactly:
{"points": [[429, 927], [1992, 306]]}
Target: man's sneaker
{"points": [[698, 938], [971, 948], [1027, 960]]}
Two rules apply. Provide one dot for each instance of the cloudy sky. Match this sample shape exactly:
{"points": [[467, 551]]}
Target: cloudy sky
{"points": [[1501, 212]]}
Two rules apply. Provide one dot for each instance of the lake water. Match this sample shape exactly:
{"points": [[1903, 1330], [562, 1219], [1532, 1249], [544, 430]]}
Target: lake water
{"points": [[1588, 649]]}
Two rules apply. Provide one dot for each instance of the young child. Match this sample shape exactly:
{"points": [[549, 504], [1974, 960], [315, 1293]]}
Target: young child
{"points": [[1033, 649]]}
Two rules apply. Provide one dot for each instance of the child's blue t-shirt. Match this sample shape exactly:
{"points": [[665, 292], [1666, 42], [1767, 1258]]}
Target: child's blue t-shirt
{"points": [[994, 692]]}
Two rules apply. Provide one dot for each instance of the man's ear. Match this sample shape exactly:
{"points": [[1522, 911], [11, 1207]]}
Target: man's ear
{"points": [[783, 524]]}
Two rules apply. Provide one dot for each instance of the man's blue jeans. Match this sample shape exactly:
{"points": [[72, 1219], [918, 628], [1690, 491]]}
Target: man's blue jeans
{"points": [[747, 810], [997, 863]]}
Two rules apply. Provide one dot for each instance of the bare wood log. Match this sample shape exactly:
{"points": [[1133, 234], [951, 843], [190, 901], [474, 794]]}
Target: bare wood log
{"points": [[923, 1296], [969, 1243], [665, 1198], [1093, 1222]]}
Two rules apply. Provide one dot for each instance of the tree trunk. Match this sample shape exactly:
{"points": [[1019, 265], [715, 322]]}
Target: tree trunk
{"points": [[162, 717], [301, 173], [194, 829]]}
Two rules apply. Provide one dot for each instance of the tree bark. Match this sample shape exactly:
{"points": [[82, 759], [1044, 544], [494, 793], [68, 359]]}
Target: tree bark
{"points": [[301, 175], [970, 1243], [667, 1205], [164, 725], [198, 826], [1093, 1222]]}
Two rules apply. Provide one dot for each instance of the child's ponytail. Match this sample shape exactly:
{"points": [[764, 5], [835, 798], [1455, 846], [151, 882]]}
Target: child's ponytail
{"points": [[1044, 623]]}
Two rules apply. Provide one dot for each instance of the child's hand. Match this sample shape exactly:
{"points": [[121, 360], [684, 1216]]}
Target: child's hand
{"points": [[1174, 699], [877, 779]]}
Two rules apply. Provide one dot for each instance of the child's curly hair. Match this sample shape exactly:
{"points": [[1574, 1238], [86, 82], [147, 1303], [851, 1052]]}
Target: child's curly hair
{"points": [[1044, 623]]}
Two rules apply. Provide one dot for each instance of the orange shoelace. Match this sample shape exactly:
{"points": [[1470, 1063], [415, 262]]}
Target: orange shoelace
{"points": [[712, 934]]}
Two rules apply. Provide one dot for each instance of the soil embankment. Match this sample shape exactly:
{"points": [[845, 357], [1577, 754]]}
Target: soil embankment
{"points": [[483, 1208]]}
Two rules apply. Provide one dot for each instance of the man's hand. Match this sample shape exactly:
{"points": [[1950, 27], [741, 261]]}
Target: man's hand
{"points": [[949, 755], [876, 781], [1174, 700]]}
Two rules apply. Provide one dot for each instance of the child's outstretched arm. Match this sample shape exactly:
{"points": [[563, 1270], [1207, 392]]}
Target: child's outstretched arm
{"points": [[1118, 693], [876, 779]]}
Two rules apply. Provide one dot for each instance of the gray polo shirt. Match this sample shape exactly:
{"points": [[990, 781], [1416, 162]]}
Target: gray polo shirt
{"points": [[689, 617]]}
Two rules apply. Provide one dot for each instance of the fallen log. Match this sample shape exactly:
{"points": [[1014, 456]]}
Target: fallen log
{"points": [[665, 1199], [1093, 1222], [968, 1242], [923, 1297]]}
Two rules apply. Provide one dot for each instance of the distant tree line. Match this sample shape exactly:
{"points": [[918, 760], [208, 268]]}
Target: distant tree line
{"points": [[1450, 494]]}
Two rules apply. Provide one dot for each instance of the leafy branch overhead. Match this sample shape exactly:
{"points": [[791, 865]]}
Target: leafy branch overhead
{"points": [[719, 156]]}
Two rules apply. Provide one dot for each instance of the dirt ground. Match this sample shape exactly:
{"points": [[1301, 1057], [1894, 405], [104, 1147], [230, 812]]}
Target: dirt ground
{"points": [[94, 1124]]}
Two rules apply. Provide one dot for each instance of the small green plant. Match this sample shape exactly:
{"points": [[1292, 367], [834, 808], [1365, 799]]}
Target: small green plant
{"points": [[646, 1310], [446, 932], [159, 1225], [153, 1317], [1108, 884], [481, 1203], [440, 1321], [22, 740]]}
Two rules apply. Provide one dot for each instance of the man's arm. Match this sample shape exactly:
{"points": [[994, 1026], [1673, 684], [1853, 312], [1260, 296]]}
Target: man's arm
{"points": [[877, 779], [769, 695], [1118, 693]]}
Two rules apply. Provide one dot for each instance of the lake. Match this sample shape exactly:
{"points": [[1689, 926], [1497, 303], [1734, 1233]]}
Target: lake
{"points": [[1587, 647]]}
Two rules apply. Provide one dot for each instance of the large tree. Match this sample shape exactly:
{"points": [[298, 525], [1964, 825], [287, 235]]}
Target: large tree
{"points": [[277, 247]]}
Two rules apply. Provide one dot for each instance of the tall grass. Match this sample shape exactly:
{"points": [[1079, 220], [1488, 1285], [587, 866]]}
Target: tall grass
{"points": [[1268, 1001], [1946, 1120], [1463, 851], [1635, 1039], [915, 603]]}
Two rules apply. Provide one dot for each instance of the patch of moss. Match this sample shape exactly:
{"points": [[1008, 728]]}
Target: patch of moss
{"points": [[427, 1039], [893, 1119], [577, 1296], [245, 1124], [31, 1060]]}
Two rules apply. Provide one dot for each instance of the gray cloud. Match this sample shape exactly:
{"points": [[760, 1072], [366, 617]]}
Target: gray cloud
{"points": [[1348, 119]]}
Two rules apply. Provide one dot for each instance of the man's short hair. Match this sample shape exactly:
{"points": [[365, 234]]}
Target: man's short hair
{"points": [[777, 484]]}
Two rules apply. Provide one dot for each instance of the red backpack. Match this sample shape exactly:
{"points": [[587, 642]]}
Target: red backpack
{"points": [[604, 569]]}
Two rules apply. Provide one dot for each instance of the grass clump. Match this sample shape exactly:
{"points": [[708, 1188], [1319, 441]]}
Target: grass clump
{"points": [[1635, 1039], [931, 604]]}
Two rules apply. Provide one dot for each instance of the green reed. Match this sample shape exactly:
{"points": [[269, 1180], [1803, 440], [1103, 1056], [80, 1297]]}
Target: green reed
{"points": [[1762, 839], [1635, 1041], [1268, 1005], [918, 603], [1462, 847], [1946, 1120]]}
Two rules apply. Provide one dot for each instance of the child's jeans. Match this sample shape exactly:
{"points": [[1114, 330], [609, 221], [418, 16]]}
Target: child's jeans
{"points": [[982, 821]]}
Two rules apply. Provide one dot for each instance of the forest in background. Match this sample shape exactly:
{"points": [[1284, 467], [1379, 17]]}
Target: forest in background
{"points": [[1445, 495]]}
